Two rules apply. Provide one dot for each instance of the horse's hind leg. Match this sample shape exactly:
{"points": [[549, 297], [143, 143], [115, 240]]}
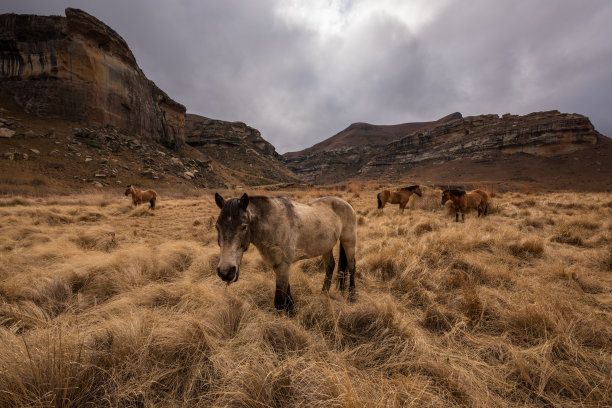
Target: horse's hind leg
{"points": [[347, 263], [350, 257], [330, 264]]}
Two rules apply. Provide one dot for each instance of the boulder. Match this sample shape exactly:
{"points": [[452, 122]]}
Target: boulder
{"points": [[6, 133]]}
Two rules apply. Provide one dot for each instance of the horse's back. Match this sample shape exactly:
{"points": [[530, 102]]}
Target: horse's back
{"points": [[477, 198], [483, 194], [338, 206]]}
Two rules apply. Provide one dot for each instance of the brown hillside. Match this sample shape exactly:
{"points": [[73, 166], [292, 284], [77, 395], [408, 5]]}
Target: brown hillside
{"points": [[362, 134]]}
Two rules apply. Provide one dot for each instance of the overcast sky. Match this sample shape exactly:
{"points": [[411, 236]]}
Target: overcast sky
{"points": [[301, 71]]}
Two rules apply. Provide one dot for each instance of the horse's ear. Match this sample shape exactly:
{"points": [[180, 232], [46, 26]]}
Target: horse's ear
{"points": [[244, 201], [219, 200]]}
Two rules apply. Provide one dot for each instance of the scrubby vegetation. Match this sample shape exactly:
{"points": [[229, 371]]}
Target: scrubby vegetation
{"points": [[107, 305]]}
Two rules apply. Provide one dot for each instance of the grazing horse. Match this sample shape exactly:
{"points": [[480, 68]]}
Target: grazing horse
{"points": [[139, 196], [463, 201], [400, 196], [285, 231]]}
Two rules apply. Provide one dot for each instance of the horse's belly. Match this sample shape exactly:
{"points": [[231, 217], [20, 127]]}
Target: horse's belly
{"points": [[315, 246]]}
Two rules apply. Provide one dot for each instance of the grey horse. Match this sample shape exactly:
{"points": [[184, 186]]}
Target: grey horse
{"points": [[285, 231]]}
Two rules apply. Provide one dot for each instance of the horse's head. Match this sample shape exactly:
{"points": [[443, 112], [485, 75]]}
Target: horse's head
{"points": [[446, 195], [418, 191], [128, 190], [233, 235]]}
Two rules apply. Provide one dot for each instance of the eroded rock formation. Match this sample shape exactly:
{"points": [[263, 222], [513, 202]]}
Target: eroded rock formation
{"points": [[239, 146], [481, 137], [77, 68]]}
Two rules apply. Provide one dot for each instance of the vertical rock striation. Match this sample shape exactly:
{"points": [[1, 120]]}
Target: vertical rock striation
{"points": [[78, 68]]}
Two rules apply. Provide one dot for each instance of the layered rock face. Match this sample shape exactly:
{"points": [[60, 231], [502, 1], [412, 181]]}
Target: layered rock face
{"points": [[238, 146], [476, 137], [79, 69]]}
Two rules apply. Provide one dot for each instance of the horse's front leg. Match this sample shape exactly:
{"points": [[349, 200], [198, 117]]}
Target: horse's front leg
{"points": [[282, 296]]}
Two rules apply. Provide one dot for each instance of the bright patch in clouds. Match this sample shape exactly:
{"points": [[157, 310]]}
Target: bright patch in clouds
{"points": [[332, 17]]}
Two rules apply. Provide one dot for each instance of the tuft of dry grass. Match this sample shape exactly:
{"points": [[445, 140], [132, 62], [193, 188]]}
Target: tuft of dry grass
{"points": [[103, 304]]}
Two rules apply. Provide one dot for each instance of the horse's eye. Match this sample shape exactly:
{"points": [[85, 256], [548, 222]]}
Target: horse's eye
{"points": [[244, 227]]}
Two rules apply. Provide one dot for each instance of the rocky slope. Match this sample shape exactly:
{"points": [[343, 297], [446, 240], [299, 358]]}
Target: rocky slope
{"points": [[479, 138], [238, 146], [79, 69], [366, 134]]}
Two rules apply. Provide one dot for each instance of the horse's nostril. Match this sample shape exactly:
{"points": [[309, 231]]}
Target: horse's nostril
{"points": [[232, 270]]}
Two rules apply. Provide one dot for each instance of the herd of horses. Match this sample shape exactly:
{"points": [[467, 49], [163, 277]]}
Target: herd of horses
{"points": [[285, 231]]}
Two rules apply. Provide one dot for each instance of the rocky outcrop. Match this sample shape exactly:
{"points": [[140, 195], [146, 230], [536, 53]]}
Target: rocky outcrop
{"points": [[205, 132], [239, 147], [79, 69], [475, 137], [365, 134]]}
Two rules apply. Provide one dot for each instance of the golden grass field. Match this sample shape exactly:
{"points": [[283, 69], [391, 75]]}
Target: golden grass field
{"points": [[102, 304]]}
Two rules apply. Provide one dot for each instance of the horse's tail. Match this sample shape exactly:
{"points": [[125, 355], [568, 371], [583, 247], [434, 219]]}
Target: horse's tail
{"points": [[343, 262], [379, 202]]}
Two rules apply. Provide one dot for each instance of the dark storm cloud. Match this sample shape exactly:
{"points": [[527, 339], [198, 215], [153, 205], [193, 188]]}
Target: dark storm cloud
{"points": [[302, 71]]}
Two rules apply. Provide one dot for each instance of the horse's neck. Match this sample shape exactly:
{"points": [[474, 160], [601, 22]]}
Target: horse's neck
{"points": [[259, 221]]}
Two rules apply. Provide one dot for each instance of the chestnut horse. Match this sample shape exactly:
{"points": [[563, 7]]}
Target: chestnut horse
{"points": [[463, 201], [285, 231], [139, 196], [400, 196]]}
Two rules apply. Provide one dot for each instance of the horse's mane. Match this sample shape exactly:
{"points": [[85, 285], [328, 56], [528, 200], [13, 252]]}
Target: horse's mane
{"points": [[457, 192], [410, 188]]}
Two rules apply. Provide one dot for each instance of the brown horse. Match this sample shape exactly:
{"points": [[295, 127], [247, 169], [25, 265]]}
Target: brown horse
{"points": [[139, 196], [400, 196], [463, 201], [285, 231]]}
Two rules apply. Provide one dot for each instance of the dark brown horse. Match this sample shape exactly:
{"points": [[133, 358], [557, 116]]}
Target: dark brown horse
{"points": [[139, 196], [463, 201], [285, 231], [400, 196]]}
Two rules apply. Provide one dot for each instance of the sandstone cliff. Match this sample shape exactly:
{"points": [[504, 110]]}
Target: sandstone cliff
{"points": [[79, 69], [476, 137]]}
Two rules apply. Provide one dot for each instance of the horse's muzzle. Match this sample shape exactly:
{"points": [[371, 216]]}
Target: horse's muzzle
{"points": [[228, 274]]}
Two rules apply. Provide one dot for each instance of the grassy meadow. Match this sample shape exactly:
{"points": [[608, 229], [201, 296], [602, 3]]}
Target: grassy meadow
{"points": [[102, 304]]}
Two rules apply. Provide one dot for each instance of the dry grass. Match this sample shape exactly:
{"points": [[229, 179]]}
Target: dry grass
{"points": [[102, 304]]}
